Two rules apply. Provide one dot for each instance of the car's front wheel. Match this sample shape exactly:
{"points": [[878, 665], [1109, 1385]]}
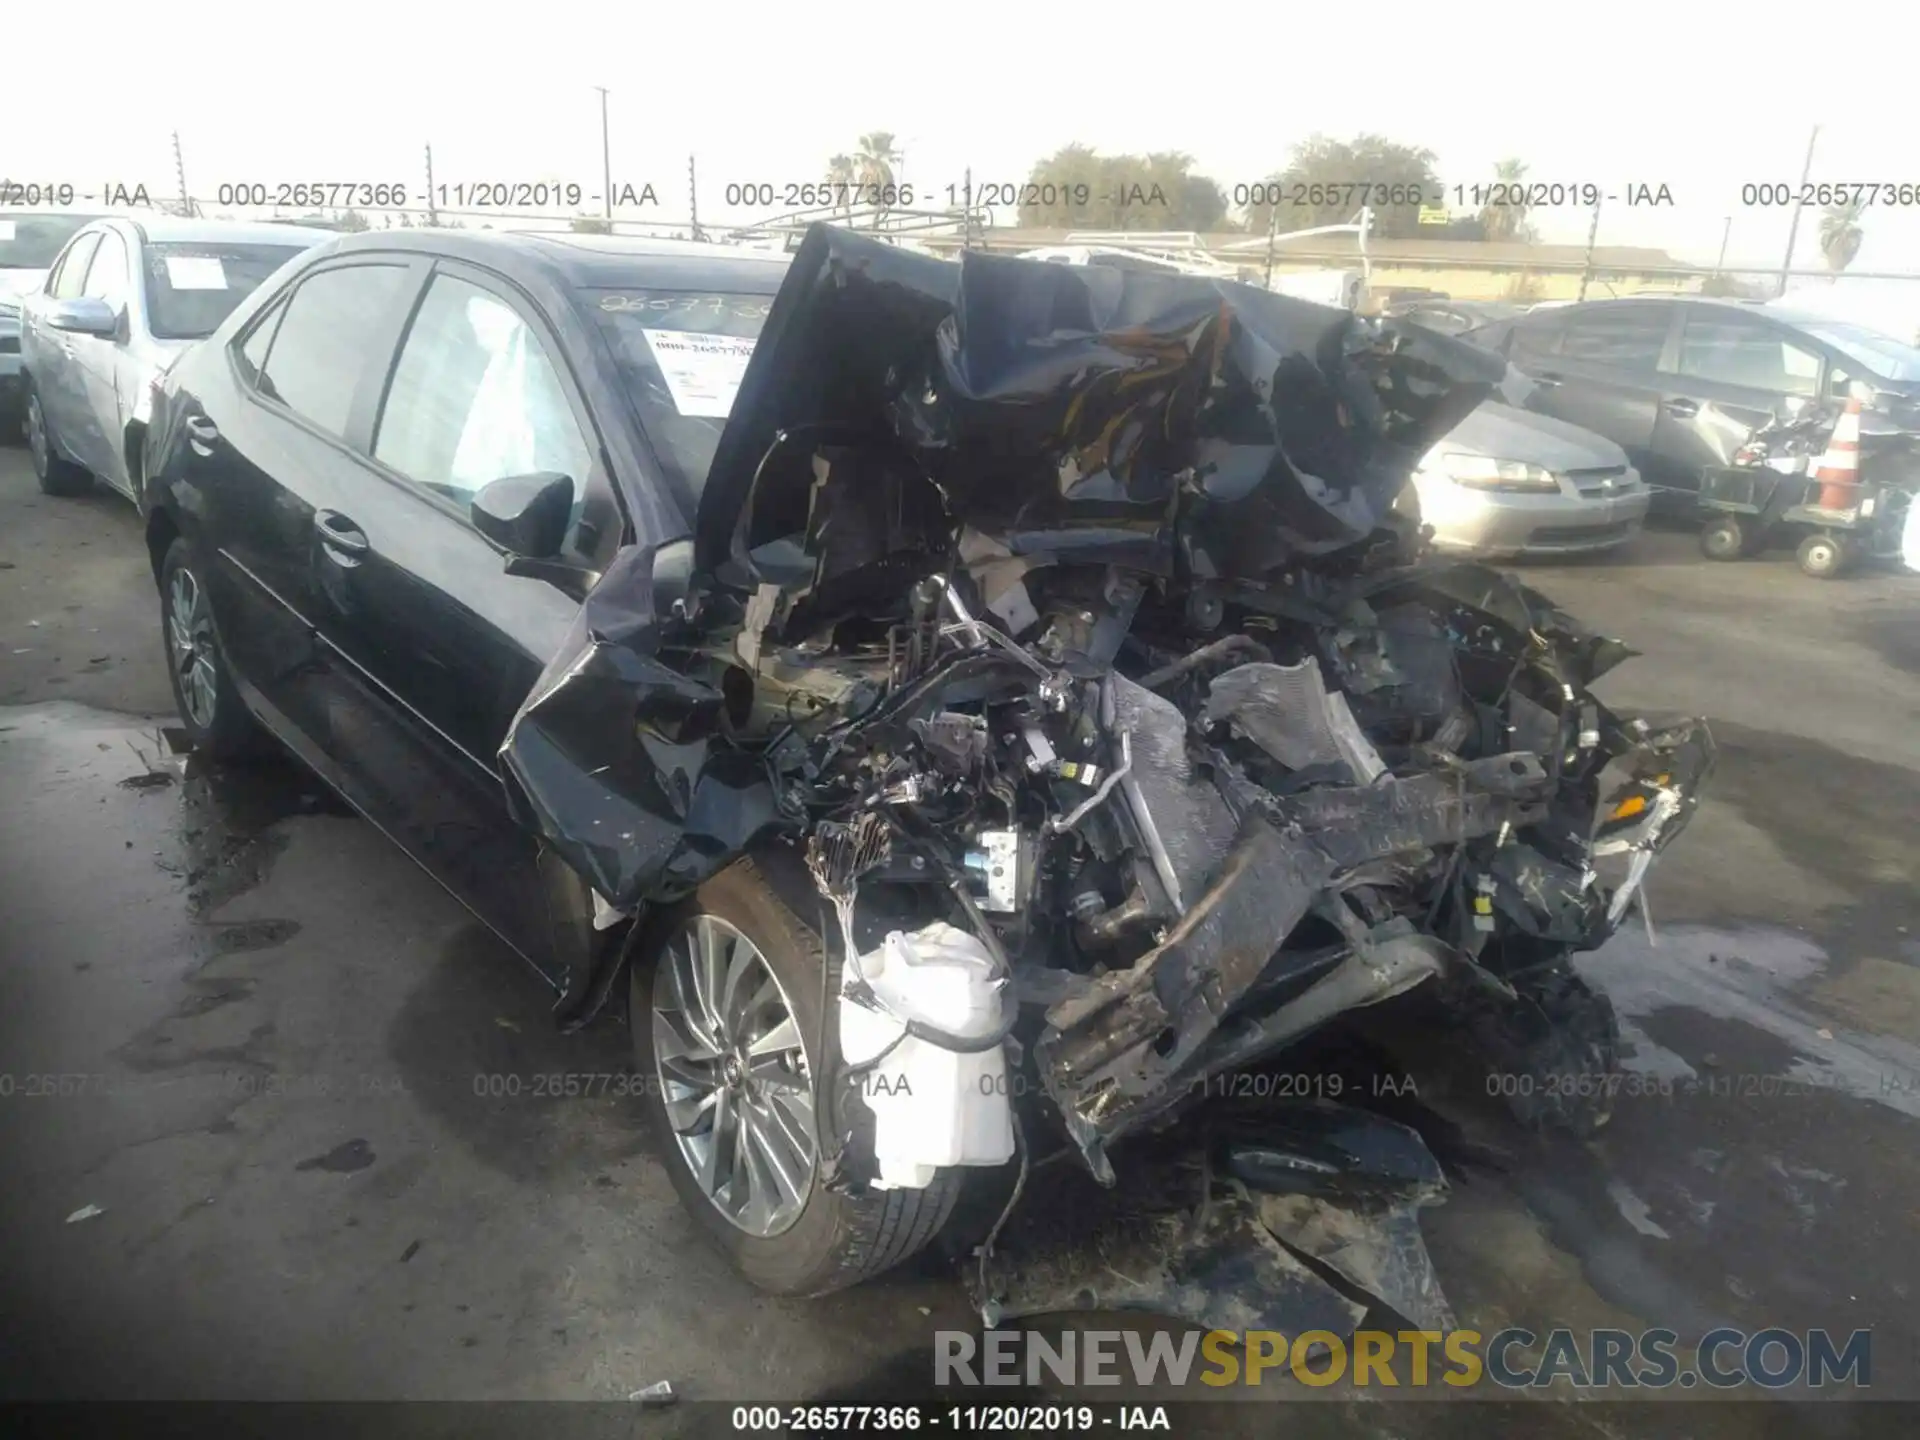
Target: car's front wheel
{"points": [[725, 1008], [56, 476], [1825, 557], [215, 718]]}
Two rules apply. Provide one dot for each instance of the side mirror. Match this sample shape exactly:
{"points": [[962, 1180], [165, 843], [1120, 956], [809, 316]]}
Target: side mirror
{"points": [[673, 580], [86, 315], [526, 515]]}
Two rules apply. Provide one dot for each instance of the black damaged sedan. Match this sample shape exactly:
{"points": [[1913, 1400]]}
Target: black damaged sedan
{"points": [[968, 705]]}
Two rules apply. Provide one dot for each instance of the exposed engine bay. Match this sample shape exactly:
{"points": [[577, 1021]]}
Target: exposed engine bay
{"points": [[1069, 631]]}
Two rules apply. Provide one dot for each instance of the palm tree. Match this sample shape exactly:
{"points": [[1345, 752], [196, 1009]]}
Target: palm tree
{"points": [[1840, 234], [876, 158], [842, 175], [1506, 221]]}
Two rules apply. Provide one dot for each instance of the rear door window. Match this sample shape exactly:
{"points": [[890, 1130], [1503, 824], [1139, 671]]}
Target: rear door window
{"points": [[1630, 338], [325, 341], [1734, 350]]}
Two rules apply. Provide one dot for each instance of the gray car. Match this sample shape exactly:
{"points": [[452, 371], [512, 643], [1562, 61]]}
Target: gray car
{"points": [[1510, 482], [123, 299]]}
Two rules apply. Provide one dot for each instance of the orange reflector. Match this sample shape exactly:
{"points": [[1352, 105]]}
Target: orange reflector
{"points": [[1629, 807]]}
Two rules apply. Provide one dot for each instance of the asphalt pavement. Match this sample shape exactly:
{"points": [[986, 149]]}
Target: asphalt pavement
{"points": [[274, 1126]]}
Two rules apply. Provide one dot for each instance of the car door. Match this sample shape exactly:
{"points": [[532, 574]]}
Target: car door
{"points": [[1603, 374], [50, 354], [269, 457], [446, 642], [103, 415], [1729, 371]]}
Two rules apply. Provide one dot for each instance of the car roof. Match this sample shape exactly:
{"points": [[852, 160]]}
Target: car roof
{"points": [[1784, 314], [589, 262], [178, 230]]}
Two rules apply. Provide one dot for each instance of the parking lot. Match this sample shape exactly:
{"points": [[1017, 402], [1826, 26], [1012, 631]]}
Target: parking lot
{"points": [[306, 1099]]}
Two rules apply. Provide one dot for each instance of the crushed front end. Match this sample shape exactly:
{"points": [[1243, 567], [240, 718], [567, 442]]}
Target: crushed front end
{"points": [[1068, 632]]}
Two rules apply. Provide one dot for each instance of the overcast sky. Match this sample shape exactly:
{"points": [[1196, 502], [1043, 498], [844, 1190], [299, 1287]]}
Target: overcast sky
{"points": [[1699, 97]]}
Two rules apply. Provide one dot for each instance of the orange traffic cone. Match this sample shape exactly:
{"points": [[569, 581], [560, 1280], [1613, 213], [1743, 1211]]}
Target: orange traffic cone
{"points": [[1839, 470]]}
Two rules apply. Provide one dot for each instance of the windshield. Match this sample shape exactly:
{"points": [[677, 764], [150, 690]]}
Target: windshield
{"points": [[1879, 355], [682, 353], [193, 285], [29, 240]]}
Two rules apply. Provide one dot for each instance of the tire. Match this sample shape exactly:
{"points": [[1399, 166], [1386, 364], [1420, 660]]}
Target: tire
{"points": [[1824, 557], [1724, 538], [214, 716], [833, 1240], [56, 475]]}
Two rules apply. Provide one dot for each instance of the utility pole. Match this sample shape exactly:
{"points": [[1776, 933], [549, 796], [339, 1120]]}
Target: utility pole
{"points": [[1273, 235], [606, 155], [966, 224], [180, 176], [1593, 232], [1726, 233], [693, 200], [433, 215], [1793, 231]]}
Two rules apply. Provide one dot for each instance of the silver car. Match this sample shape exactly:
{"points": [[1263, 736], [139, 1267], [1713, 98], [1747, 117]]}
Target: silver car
{"points": [[29, 241], [1508, 482], [124, 298]]}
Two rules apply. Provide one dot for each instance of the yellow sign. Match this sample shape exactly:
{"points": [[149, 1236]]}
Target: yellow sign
{"points": [[1434, 215]]}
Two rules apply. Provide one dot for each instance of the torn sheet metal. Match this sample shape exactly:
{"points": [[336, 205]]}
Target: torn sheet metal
{"points": [[1344, 1188], [1219, 1232], [1173, 1240], [612, 761], [1074, 410], [1288, 712], [1133, 1028]]}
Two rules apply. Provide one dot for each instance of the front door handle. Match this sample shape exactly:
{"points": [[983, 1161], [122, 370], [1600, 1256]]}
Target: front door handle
{"points": [[345, 540], [1547, 378], [201, 433], [1683, 409]]}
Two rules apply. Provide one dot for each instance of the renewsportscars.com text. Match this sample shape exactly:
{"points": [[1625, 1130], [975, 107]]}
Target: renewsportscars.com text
{"points": [[1513, 1358]]}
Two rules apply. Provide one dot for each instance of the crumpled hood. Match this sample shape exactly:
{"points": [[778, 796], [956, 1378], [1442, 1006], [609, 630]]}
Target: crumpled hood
{"points": [[1213, 427], [1505, 433]]}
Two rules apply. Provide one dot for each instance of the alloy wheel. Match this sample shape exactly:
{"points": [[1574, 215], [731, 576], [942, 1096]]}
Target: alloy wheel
{"points": [[37, 436], [190, 646], [734, 1075]]}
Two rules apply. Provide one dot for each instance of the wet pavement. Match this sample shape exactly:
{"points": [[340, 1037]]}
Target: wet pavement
{"points": [[304, 1091]]}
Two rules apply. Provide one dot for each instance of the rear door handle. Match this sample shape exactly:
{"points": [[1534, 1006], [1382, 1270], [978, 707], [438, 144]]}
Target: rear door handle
{"points": [[346, 540], [1683, 409], [201, 433]]}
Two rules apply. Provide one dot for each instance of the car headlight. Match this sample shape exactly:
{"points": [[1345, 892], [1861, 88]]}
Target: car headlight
{"points": [[1483, 472]]}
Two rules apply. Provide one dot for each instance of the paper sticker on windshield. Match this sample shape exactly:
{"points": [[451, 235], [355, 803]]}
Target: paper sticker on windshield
{"points": [[6, 230], [702, 371], [195, 272]]}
